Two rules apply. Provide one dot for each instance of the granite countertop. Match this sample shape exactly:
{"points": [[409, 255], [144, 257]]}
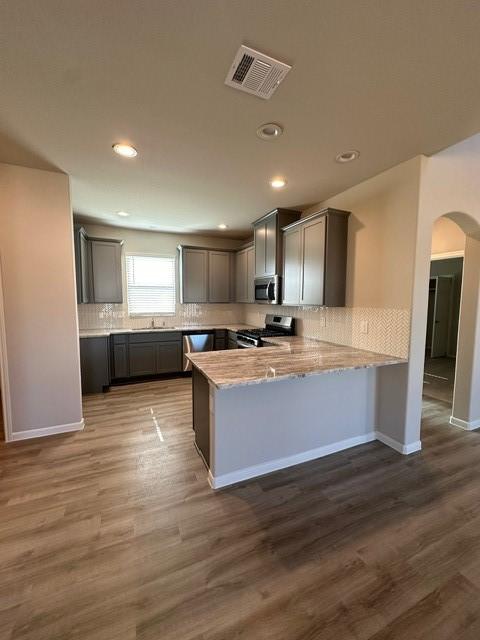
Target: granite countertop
{"points": [[96, 333], [290, 357]]}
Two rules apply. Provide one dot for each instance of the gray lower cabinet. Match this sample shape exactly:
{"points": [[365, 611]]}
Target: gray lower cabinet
{"points": [[232, 340], [201, 414], [95, 364], [120, 360], [143, 359], [146, 353], [315, 259], [220, 339], [169, 357]]}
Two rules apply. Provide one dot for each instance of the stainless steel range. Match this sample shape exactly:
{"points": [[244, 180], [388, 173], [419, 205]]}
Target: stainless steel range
{"points": [[275, 326]]}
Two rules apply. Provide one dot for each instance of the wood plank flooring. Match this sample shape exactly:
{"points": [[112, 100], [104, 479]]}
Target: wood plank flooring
{"points": [[114, 534]]}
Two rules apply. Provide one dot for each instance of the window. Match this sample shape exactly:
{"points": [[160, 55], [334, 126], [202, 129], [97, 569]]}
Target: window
{"points": [[150, 285]]}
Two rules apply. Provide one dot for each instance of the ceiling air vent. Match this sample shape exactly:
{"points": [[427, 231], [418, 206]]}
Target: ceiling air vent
{"points": [[256, 73]]}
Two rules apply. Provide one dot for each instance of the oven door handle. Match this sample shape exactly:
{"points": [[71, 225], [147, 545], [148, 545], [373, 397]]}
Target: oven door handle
{"points": [[246, 345]]}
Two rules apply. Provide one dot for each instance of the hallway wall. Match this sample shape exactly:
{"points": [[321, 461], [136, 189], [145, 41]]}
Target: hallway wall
{"points": [[36, 250]]}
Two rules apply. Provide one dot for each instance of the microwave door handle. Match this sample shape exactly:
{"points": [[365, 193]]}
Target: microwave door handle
{"points": [[271, 290]]}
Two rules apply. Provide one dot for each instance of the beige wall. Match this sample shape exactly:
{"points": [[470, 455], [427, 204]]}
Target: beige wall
{"points": [[447, 237], [381, 236], [380, 266], [450, 186], [36, 252], [116, 315]]}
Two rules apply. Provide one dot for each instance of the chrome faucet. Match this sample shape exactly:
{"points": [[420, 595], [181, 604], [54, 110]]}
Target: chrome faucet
{"points": [[152, 323]]}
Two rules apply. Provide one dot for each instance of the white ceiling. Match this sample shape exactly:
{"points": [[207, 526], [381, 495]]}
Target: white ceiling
{"points": [[392, 79]]}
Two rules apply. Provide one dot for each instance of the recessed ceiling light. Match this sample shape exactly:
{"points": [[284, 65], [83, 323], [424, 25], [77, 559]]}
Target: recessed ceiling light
{"points": [[123, 214], [347, 156], [269, 131], [278, 183], [222, 226], [125, 150]]}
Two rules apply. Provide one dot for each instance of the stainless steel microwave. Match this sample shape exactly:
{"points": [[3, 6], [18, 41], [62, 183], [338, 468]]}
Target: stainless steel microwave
{"points": [[268, 290]]}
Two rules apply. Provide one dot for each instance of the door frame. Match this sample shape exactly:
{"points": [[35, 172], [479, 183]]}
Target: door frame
{"points": [[437, 279], [4, 380]]}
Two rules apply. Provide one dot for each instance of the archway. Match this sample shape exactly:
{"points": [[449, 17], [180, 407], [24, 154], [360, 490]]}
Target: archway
{"points": [[465, 404], [444, 296]]}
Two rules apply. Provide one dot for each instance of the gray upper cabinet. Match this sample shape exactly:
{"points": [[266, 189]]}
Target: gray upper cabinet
{"points": [[313, 262], [98, 266], [106, 256], [250, 274], [268, 241], [82, 269], [260, 240], [244, 274], [241, 276], [315, 251], [292, 256], [219, 276], [206, 275], [193, 275]]}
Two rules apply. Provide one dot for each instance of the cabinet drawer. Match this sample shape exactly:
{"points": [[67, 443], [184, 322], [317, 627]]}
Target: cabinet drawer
{"points": [[155, 336], [120, 338]]}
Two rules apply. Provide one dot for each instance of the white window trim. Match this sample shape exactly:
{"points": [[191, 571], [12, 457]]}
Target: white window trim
{"points": [[151, 255]]}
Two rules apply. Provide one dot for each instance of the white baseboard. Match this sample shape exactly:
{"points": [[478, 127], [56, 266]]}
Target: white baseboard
{"points": [[227, 479], [405, 449], [48, 431], [463, 424]]}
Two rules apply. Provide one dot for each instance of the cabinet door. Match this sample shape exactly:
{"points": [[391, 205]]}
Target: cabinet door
{"points": [[241, 276], [250, 274], [106, 260], [292, 268], [259, 243], [168, 357], [219, 276], [94, 364], [194, 275], [271, 246], [313, 262], [201, 413], [143, 358], [120, 360]]}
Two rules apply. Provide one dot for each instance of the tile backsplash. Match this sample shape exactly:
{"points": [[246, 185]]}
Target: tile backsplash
{"points": [[382, 330], [115, 316]]}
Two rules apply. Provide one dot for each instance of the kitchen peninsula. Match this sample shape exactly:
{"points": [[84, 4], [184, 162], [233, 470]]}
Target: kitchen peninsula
{"points": [[296, 399]]}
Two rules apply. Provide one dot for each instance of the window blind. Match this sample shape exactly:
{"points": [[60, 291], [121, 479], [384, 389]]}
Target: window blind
{"points": [[150, 284]]}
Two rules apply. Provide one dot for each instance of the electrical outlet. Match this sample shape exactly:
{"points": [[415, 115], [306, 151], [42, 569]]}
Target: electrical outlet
{"points": [[363, 326], [323, 321]]}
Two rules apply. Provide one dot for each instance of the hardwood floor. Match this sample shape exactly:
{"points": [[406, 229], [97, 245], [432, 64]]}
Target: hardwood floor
{"points": [[114, 534]]}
